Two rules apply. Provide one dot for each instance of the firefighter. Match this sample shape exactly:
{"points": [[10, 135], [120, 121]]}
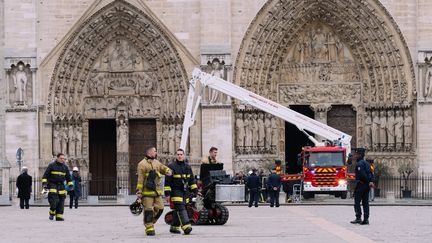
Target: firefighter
{"points": [[177, 188], [273, 187], [53, 182], [364, 180], [148, 188], [254, 185], [211, 159]]}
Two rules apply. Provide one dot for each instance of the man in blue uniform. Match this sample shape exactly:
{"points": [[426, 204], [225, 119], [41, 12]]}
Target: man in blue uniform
{"points": [[254, 185], [53, 181], [273, 187], [364, 180]]}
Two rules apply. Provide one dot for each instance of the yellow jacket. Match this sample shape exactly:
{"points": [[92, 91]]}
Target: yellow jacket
{"points": [[144, 168], [208, 160]]}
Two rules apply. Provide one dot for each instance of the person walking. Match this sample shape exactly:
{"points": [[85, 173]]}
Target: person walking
{"points": [[178, 186], [364, 180], [148, 189], [273, 187], [24, 185], [253, 184], [53, 181], [75, 194]]}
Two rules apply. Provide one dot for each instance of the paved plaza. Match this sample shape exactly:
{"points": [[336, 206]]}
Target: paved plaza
{"points": [[288, 223]]}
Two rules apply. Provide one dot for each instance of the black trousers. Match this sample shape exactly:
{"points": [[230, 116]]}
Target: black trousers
{"points": [[253, 197], [24, 202], [180, 215], [56, 202], [72, 200], [361, 194], [274, 197]]}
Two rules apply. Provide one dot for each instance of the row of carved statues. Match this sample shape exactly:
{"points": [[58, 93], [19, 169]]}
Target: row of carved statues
{"points": [[389, 130], [67, 139], [256, 132], [171, 137], [111, 84]]}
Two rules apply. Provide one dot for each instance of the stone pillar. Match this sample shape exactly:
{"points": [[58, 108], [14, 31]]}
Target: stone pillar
{"points": [[122, 157], [5, 170], [33, 71], [321, 115]]}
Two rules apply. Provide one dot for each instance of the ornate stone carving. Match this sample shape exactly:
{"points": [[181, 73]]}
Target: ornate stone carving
{"points": [[20, 85], [122, 136]]}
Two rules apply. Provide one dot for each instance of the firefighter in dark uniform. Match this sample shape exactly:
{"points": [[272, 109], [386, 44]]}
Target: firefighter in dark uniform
{"points": [[273, 186], [254, 185], [177, 188], [53, 181], [364, 180]]}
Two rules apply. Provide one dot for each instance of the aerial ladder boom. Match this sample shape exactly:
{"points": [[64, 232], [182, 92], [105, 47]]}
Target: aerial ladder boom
{"points": [[305, 124]]}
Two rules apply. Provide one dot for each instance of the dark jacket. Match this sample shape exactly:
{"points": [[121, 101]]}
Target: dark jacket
{"points": [[182, 178], [24, 185], [274, 180], [77, 185], [253, 182], [363, 173], [54, 177]]}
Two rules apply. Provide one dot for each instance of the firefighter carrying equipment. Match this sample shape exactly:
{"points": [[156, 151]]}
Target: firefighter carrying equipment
{"points": [[150, 183], [136, 208]]}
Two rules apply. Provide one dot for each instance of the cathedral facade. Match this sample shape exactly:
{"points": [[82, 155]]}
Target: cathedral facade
{"points": [[101, 80]]}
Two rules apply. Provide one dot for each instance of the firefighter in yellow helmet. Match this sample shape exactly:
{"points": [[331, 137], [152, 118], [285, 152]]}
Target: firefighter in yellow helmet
{"points": [[149, 190]]}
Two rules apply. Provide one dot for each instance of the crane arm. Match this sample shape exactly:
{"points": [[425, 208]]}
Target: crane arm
{"points": [[302, 122]]}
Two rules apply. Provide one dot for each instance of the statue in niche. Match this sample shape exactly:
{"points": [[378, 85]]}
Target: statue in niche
{"points": [[274, 132], [100, 86], [178, 134], [121, 57], [268, 131], [63, 139], [261, 131], [56, 139], [299, 50], [71, 138], [255, 128], [319, 44], [240, 129], [307, 46], [408, 124], [335, 48], [78, 141], [248, 131], [368, 130], [122, 136], [390, 130], [428, 83], [399, 123], [217, 71], [20, 84], [165, 146], [383, 129], [171, 139], [375, 130]]}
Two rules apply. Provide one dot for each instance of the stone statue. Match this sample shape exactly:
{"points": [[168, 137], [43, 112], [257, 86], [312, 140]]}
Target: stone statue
{"points": [[165, 147], [63, 139], [122, 136], [375, 129], [248, 131], [240, 130], [178, 134], [171, 139], [20, 84], [71, 138], [399, 122], [56, 139], [383, 130], [274, 132], [255, 129], [217, 71], [428, 83], [268, 131], [121, 57], [298, 51], [261, 130], [368, 130], [307, 46], [390, 130], [319, 45], [408, 124], [78, 141]]}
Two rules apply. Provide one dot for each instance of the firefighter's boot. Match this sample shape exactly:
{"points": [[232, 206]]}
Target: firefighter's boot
{"points": [[365, 222], [187, 229], [175, 230], [356, 221]]}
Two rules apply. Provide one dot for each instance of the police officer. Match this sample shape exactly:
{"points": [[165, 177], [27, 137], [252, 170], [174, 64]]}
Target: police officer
{"points": [[254, 185], [53, 181], [149, 188], [273, 187], [177, 187], [364, 180]]}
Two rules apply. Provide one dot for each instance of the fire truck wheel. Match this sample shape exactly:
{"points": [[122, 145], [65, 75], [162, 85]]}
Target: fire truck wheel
{"points": [[169, 217]]}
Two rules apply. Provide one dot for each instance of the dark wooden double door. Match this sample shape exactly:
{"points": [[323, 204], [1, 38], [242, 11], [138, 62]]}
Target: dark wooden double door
{"points": [[103, 152]]}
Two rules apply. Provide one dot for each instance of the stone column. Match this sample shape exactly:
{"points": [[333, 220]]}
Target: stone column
{"points": [[33, 70], [7, 93], [321, 115], [122, 165]]}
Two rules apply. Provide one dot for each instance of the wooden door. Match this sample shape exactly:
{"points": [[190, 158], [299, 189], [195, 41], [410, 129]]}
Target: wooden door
{"points": [[343, 118], [142, 135], [103, 153]]}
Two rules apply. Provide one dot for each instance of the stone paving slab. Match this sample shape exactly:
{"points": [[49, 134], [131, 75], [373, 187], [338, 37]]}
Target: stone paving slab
{"points": [[262, 224]]}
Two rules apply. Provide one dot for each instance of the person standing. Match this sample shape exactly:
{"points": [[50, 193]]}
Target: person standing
{"points": [[75, 194], [53, 181], [148, 188], [177, 188], [364, 180], [253, 184], [274, 185], [211, 159], [24, 185]]}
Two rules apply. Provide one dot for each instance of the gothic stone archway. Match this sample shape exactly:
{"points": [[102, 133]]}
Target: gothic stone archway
{"points": [[120, 64], [332, 53]]}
